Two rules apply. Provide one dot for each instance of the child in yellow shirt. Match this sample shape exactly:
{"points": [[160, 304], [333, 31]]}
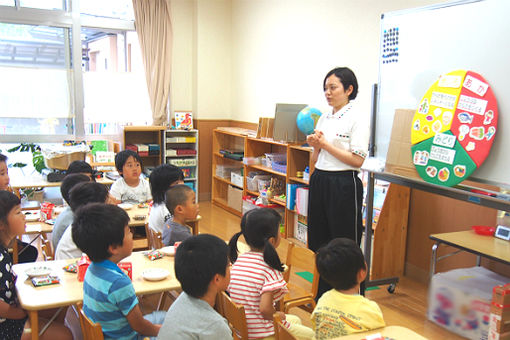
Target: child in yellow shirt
{"points": [[341, 310]]}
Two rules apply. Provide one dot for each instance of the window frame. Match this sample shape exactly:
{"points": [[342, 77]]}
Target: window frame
{"points": [[70, 19]]}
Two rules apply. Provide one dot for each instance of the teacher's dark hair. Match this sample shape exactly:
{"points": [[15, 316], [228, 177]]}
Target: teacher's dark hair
{"points": [[347, 78]]}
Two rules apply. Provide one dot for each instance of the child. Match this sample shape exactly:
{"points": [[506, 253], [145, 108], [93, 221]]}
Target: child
{"points": [[256, 277], [341, 310], [161, 179], [65, 218], [102, 232], [26, 252], [12, 316], [203, 269], [81, 167], [180, 201], [81, 194], [130, 188]]}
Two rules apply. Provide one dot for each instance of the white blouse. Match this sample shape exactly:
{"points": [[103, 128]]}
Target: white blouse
{"points": [[346, 129]]}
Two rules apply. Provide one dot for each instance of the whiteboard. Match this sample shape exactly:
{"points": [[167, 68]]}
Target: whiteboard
{"points": [[433, 40]]}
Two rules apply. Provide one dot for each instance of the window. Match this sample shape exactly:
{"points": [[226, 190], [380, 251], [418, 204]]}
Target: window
{"points": [[46, 97]]}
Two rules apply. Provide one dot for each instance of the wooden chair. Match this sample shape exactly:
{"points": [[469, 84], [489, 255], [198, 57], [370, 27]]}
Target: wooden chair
{"points": [[154, 238], [47, 248], [280, 331], [234, 314], [299, 296], [193, 224], [90, 330]]}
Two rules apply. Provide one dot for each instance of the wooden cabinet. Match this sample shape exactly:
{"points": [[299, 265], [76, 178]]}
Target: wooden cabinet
{"points": [[235, 140], [146, 135], [181, 149]]}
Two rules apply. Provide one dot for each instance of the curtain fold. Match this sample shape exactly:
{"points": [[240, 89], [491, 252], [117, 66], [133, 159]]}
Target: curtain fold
{"points": [[154, 29]]}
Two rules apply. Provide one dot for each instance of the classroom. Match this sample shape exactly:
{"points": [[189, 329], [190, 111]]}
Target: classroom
{"points": [[213, 88]]}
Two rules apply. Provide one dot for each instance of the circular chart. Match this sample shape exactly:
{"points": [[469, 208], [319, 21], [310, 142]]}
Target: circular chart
{"points": [[453, 128]]}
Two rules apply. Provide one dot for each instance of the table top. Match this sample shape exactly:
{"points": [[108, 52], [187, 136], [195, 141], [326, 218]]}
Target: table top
{"points": [[488, 246], [392, 332], [37, 228], [70, 291], [39, 182]]}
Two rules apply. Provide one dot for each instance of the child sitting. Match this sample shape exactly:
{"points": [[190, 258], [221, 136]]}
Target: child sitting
{"points": [[341, 310], [256, 280], [81, 167], [180, 201], [26, 252], [65, 218], [203, 269], [102, 232], [161, 179], [130, 188], [12, 316], [81, 194]]}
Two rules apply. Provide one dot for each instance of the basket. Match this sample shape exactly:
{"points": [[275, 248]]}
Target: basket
{"points": [[280, 167], [62, 162]]}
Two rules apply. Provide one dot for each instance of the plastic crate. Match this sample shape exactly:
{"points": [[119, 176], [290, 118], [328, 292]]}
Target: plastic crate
{"points": [[280, 167], [276, 157]]}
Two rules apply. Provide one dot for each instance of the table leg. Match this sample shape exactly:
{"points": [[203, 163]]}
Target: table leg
{"points": [[433, 260], [15, 251], [478, 260], [34, 324]]}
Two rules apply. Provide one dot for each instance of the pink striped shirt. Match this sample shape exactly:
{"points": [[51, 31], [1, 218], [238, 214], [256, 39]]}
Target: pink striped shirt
{"points": [[250, 276]]}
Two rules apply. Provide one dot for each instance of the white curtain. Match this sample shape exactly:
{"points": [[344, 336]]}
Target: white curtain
{"points": [[154, 28]]}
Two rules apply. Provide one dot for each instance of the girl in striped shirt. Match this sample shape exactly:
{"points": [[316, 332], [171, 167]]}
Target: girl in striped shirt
{"points": [[256, 276]]}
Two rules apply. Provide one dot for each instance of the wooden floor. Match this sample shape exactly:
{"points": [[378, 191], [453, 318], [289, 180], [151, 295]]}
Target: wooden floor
{"points": [[406, 307]]}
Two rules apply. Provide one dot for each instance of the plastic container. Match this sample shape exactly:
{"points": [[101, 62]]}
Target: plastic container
{"points": [[276, 157], [280, 167], [252, 182], [263, 184]]}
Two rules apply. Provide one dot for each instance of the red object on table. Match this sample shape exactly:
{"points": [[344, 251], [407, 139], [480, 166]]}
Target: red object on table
{"points": [[484, 230]]}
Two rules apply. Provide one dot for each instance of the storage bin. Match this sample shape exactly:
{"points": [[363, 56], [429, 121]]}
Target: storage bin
{"points": [[252, 182], [263, 184], [237, 178], [276, 157], [62, 162], [280, 167]]}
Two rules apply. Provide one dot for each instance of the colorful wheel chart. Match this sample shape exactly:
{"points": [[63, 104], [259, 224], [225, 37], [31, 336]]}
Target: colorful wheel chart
{"points": [[453, 128]]}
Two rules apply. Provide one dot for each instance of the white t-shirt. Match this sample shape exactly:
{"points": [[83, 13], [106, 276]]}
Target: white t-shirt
{"points": [[346, 129], [66, 248], [133, 195], [158, 217]]}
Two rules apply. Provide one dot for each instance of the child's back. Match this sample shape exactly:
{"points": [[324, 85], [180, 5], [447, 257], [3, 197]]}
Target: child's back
{"points": [[341, 310]]}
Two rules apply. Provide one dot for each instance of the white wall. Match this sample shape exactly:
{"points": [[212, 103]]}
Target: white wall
{"points": [[241, 57]]}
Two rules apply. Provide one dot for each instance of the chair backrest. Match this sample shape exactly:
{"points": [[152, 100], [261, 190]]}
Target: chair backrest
{"points": [[280, 331], [304, 259], [154, 238], [90, 330], [235, 316]]}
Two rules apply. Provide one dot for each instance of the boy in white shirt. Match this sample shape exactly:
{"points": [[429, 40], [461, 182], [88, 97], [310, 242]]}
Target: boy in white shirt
{"points": [[130, 188]]}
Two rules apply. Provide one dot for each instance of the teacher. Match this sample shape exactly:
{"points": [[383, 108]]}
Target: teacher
{"points": [[340, 145]]}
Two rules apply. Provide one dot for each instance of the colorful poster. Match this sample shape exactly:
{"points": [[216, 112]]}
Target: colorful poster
{"points": [[453, 128]]}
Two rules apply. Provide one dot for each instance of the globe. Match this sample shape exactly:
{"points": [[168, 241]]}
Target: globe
{"points": [[307, 119]]}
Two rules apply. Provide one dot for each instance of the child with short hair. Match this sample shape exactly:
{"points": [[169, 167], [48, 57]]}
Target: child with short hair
{"points": [[81, 194], [81, 167], [341, 310], [12, 316], [203, 269], [256, 279], [130, 188], [161, 179], [26, 252], [180, 201], [65, 218], [101, 231]]}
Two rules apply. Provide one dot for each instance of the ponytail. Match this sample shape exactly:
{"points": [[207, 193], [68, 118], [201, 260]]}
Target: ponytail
{"points": [[271, 256], [232, 245]]}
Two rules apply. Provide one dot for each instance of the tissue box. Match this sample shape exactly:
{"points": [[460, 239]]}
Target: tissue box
{"points": [[460, 300]]}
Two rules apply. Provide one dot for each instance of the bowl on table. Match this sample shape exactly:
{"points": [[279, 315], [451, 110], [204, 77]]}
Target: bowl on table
{"points": [[484, 230], [155, 274], [125, 206], [36, 271]]}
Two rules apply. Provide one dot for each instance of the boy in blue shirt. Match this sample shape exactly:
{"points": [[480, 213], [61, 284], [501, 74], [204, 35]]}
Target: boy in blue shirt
{"points": [[102, 232]]}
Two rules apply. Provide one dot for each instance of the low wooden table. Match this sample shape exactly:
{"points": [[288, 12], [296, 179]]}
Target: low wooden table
{"points": [[70, 291], [391, 332], [482, 246], [39, 182]]}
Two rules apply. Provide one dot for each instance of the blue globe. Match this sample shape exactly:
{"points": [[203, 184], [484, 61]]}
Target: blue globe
{"points": [[307, 119]]}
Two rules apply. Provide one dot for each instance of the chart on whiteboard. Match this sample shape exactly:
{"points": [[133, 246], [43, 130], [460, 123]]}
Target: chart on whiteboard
{"points": [[453, 128]]}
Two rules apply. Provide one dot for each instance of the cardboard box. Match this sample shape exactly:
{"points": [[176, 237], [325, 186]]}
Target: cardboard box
{"points": [[235, 198], [236, 177], [399, 158], [460, 300]]}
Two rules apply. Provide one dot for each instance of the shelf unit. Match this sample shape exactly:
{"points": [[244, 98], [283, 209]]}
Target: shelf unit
{"points": [[298, 158], [181, 149], [146, 135]]}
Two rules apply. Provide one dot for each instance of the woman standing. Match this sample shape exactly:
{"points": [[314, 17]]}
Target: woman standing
{"points": [[340, 145]]}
